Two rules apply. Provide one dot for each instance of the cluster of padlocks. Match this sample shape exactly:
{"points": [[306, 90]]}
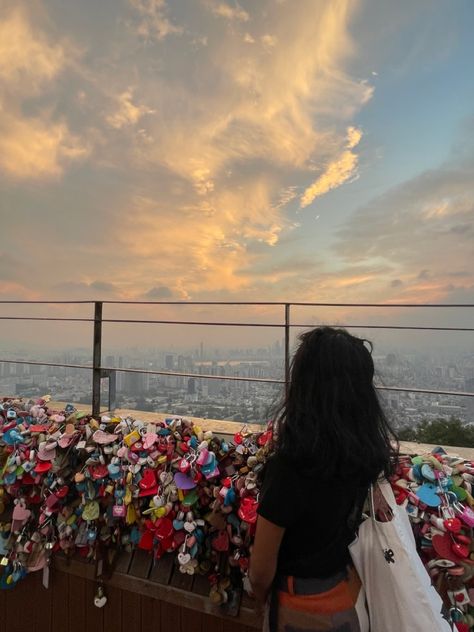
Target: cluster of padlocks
{"points": [[72, 483], [436, 491]]}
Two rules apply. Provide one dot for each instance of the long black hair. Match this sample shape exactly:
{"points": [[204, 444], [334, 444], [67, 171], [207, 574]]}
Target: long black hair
{"points": [[331, 420]]}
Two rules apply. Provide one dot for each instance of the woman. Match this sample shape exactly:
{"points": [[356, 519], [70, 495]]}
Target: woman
{"points": [[332, 441]]}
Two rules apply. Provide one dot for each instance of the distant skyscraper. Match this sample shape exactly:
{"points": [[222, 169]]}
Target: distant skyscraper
{"points": [[169, 361], [110, 361], [136, 383], [470, 401]]}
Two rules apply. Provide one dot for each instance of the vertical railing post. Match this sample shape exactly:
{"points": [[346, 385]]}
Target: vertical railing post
{"points": [[112, 390], [97, 359], [287, 348]]}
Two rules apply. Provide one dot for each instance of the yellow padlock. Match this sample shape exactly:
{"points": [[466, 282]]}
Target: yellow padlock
{"points": [[159, 512], [131, 514], [132, 438]]}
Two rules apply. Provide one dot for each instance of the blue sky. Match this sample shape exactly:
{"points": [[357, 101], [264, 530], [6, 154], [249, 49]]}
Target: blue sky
{"points": [[303, 151]]}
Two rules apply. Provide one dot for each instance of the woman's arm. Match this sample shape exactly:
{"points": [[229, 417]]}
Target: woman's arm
{"points": [[263, 561]]}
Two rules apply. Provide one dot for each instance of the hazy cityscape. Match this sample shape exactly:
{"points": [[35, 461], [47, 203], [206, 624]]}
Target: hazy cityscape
{"points": [[239, 401]]}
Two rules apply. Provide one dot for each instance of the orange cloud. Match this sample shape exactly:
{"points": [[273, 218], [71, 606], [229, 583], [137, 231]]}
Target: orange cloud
{"points": [[127, 113], [337, 172], [224, 10], [31, 147], [27, 58], [36, 148]]}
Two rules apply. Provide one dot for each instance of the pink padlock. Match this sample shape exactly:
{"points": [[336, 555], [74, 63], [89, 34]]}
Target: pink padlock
{"points": [[119, 511], [465, 513]]}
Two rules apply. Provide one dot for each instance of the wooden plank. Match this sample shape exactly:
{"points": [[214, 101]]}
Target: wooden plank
{"points": [[191, 621], [171, 617], [140, 565], [113, 610], [18, 618], [167, 593], [151, 614], [123, 562], [201, 585], [94, 615], [131, 612], [77, 597], [235, 626], [2, 611], [162, 569], [44, 613], [181, 580], [60, 599], [247, 602], [213, 624]]}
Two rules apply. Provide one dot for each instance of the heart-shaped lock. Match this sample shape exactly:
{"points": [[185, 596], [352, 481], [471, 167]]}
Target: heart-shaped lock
{"points": [[99, 602], [149, 440], [21, 513], [428, 494], [91, 511], [148, 479], [220, 542], [248, 510], [184, 558], [189, 526], [164, 528], [99, 472], [184, 466], [461, 550], [166, 478]]}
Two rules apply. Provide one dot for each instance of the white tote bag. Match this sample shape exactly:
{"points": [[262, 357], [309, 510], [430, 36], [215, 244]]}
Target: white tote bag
{"points": [[398, 588]]}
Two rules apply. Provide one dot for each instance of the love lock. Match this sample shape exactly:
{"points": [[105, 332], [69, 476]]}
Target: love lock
{"points": [[100, 599]]}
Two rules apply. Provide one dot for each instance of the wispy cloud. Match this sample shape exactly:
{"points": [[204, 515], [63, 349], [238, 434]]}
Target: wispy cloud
{"points": [[224, 10], [39, 145], [127, 112], [153, 22], [337, 172]]}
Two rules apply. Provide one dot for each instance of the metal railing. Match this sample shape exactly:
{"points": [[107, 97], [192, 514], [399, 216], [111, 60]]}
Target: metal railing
{"points": [[99, 372]]}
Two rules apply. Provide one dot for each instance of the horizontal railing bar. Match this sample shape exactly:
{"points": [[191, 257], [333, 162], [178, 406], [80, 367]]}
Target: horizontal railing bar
{"points": [[49, 302], [191, 322], [424, 390], [86, 320], [302, 304], [404, 327], [232, 378], [234, 324], [299, 304], [122, 370]]}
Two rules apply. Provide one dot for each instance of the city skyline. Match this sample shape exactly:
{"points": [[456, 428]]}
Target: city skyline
{"points": [[243, 401]]}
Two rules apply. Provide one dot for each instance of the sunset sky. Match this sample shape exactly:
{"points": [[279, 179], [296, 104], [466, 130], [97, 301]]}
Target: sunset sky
{"points": [[300, 150]]}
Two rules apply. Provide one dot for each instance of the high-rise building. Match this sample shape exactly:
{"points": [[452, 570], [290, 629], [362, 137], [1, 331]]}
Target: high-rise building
{"points": [[169, 362], [136, 383], [470, 401]]}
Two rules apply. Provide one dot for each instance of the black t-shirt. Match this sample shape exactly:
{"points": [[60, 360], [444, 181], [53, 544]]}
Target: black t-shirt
{"points": [[314, 511]]}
